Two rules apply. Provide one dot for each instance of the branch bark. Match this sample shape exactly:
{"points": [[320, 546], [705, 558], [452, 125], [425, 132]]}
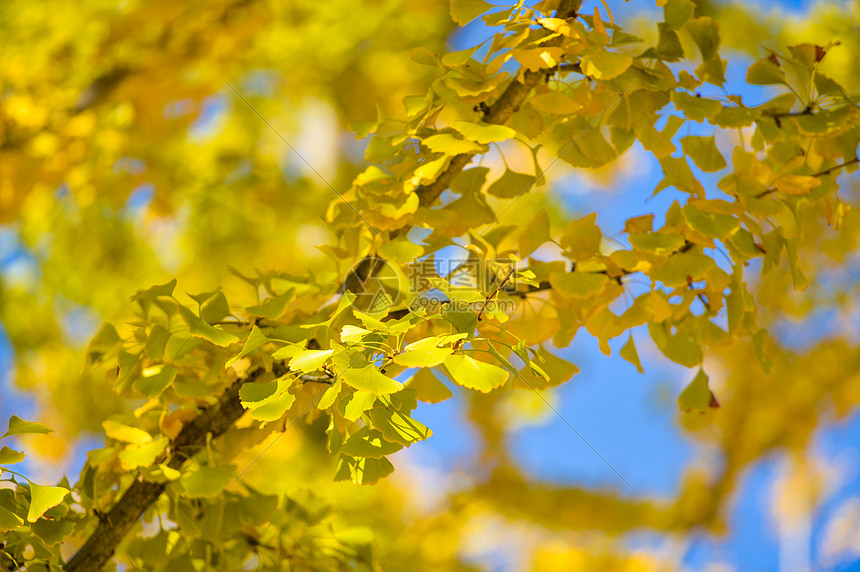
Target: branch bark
{"points": [[114, 526], [499, 112]]}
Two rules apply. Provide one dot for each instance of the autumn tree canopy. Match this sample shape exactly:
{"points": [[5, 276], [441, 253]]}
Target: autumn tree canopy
{"points": [[243, 240]]}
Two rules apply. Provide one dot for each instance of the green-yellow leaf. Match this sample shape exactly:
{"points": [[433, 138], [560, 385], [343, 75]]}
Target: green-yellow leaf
{"points": [[142, 455], [555, 102], [582, 237], [367, 442], [43, 498], [715, 225], [484, 132], [427, 352], [9, 520], [310, 360], [678, 267], [358, 403], [656, 242], [628, 352], [201, 329], [704, 153], [603, 64], [473, 374], [207, 481], [274, 307], [10, 456], [697, 396], [362, 470], [398, 427], [765, 71], [428, 386], [706, 33], [534, 234], [578, 284], [125, 433], [156, 291], [464, 11], [511, 184], [255, 339], [450, 144], [18, 426], [368, 378], [695, 107], [153, 385]]}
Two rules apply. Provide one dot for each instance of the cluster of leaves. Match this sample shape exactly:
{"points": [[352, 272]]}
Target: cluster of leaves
{"points": [[578, 86]]}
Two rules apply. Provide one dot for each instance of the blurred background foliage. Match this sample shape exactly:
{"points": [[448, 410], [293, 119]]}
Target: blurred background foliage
{"points": [[127, 158]]}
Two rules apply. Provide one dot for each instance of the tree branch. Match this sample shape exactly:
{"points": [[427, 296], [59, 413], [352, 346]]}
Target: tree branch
{"points": [[499, 112]]}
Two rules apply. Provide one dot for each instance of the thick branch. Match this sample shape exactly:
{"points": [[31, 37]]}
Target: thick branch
{"points": [[499, 112], [114, 526]]}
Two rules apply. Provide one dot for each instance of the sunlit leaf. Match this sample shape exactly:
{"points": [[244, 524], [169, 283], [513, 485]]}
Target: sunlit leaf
{"points": [[18, 426], [43, 498], [473, 374], [697, 396], [369, 378]]}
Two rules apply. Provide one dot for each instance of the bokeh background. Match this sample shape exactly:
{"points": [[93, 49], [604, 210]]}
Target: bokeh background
{"points": [[127, 159]]}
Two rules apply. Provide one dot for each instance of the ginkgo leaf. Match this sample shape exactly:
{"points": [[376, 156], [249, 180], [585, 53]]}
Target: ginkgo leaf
{"points": [[603, 64], [274, 307], [125, 433], [369, 378], [796, 184], [255, 339], [10, 456], [511, 184], [555, 102], [310, 360], [760, 343], [362, 470], [765, 71], [367, 442], [715, 225], [359, 402], [206, 481], [677, 12], [202, 329], [152, 386], [704, 153], [473, 374], [141, 455], [534, 234], [43, 498], [427, 352], [697, 396], [695, 107], [706, 33], [582, 237], [678, 267], [451, 145], [628, 352], [430, 389], [398, 427], [155, 291], [578, 284], [9, 520], [464, 11], [268, 401], [484, 132], [18, 426], [656, 242]]}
